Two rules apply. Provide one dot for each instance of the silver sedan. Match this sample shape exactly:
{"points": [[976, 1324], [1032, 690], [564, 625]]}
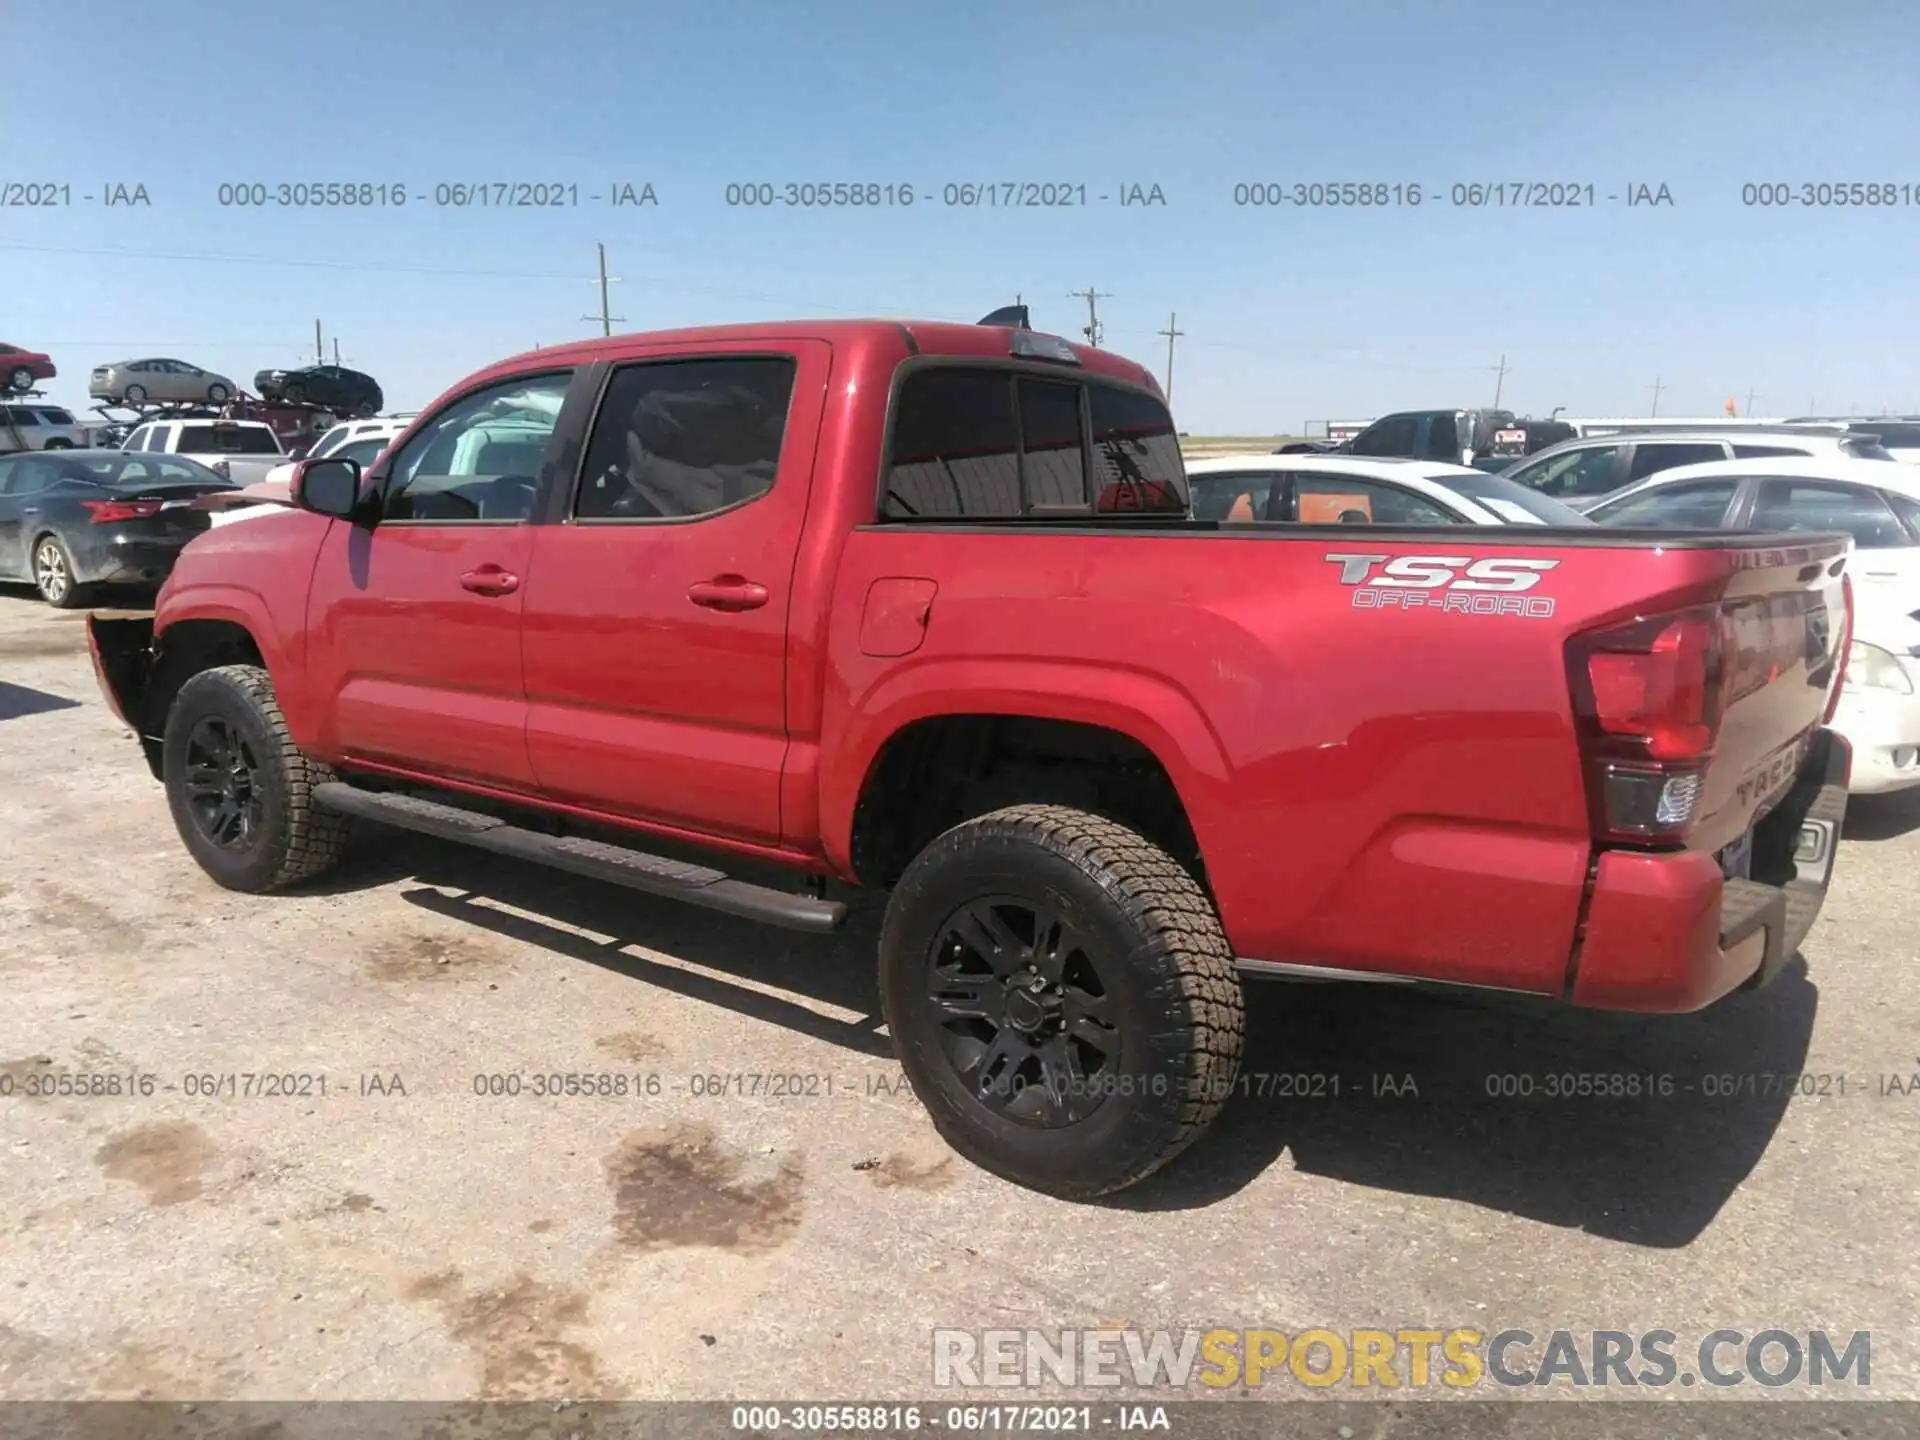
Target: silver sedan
{"points": [[136, 382]]}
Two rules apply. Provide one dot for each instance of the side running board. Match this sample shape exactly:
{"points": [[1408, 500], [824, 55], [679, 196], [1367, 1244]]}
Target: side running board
{"points": [[653, 874]]}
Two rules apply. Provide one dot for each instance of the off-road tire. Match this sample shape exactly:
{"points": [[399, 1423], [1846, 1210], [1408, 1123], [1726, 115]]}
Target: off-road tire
{"points": [[1163, 957], [295, 839]]}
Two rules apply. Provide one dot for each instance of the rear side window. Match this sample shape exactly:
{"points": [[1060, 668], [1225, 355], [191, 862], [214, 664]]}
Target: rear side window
{"points": [[1909, 512], [1345, 500], [1590, 470], [1443, 439], [1691, 505], [680, 439], [1235, 499], [999, 444], [1825, 505], [20, 415], [1651, 458], [1763, 452]]}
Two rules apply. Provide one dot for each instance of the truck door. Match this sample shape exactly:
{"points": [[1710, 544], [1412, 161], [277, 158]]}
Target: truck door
{"points": [[414, 622], [656, 615]]}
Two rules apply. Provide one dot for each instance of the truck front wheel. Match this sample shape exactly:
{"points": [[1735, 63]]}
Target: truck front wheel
{"points": [[1062, 998], [240, 790]]}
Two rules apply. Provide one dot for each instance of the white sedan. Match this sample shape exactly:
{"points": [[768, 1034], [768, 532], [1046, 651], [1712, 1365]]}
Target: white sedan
{"points": [[1879, 506], [1347, 490]]}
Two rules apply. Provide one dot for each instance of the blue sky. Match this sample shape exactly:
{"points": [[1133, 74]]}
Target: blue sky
{"points": [[1288, 314]]}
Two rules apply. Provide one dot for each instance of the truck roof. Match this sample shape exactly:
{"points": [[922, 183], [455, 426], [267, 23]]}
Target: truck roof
{"points": [[927, 337]]}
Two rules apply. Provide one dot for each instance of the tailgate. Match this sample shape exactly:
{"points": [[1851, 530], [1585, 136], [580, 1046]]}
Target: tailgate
{"points": [[1785, 618], [1699, 712]]}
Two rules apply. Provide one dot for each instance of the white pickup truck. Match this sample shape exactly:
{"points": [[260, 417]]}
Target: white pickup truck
{"points": [[242, 450]]}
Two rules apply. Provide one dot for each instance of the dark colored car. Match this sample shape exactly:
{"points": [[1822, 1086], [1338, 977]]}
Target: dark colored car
{"points": [[78, 518], [1452, 436], [348, 392], [19, 369]]}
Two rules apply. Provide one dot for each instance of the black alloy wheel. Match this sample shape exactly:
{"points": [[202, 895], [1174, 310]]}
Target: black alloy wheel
{"points": [[1061, 996], [1024, 1016], [224, 784]]}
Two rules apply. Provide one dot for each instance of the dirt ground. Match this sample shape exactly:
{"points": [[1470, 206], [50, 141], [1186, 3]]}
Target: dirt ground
{"points": [[368, 1225]]}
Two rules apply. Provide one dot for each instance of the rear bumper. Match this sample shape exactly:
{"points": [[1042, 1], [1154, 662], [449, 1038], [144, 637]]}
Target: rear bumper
{"points": [[1667, 933], [128, 559]]}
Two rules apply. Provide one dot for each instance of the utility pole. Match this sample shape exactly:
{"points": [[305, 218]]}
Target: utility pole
{"points": [[1748, 412], [606, 320], [319, 351], [1657, 387], [1170, 332], [1499, 380], [336, 352], [1091, 295]]}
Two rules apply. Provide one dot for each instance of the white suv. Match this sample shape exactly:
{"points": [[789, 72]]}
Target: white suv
{"points": [[1583, 472], [25, 426]]}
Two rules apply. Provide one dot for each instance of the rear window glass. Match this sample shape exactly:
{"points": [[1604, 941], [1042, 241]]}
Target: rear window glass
{"points": [[226, 440], [999, 444], [1511, 501], [1136, 453], [1894, 435]]}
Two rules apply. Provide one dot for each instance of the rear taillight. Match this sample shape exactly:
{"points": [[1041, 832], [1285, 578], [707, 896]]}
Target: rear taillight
{"points": [[105, 512], [1649, 696]]}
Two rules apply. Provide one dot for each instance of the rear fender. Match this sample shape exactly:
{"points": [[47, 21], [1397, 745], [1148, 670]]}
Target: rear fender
{"points": [[1143, 707]]}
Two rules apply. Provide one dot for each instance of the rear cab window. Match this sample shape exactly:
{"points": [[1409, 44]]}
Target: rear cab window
{"points": [[981, 442], [227, 440]]}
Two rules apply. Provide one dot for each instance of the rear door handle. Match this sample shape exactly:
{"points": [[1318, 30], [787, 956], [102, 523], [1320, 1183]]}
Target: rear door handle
{"points": [[727, 592], [490, 580]]}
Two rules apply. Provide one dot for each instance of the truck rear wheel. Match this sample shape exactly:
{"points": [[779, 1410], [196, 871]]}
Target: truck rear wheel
{"points": [[1062, 998], [239, 788]]}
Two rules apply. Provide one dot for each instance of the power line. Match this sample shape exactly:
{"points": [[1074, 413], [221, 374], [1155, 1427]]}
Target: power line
{"points": [[1170, 332], [1092, 297], [605, 318]]}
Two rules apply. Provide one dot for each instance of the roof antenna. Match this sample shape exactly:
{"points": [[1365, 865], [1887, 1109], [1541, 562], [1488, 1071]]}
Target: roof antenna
{"points": [[1012, 316]]}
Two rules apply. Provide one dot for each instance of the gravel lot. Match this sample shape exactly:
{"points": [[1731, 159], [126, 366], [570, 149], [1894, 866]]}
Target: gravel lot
{"points": [[417, 1240]]}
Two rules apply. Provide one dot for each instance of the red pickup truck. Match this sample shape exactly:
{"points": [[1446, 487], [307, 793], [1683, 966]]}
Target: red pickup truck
{"points": [[922, 607]]}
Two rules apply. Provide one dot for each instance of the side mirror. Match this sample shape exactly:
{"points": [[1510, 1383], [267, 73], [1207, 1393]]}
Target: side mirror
{"points": [[328, 486]]}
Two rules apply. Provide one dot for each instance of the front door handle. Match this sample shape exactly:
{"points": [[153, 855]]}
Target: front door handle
{"points": [[490, 580], [727, 592]]}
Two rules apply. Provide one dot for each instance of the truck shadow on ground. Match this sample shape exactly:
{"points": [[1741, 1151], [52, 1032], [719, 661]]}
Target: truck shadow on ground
{"points": [[1454, 1097], [550, 909], [1883, 817], [1392, 1089]]}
